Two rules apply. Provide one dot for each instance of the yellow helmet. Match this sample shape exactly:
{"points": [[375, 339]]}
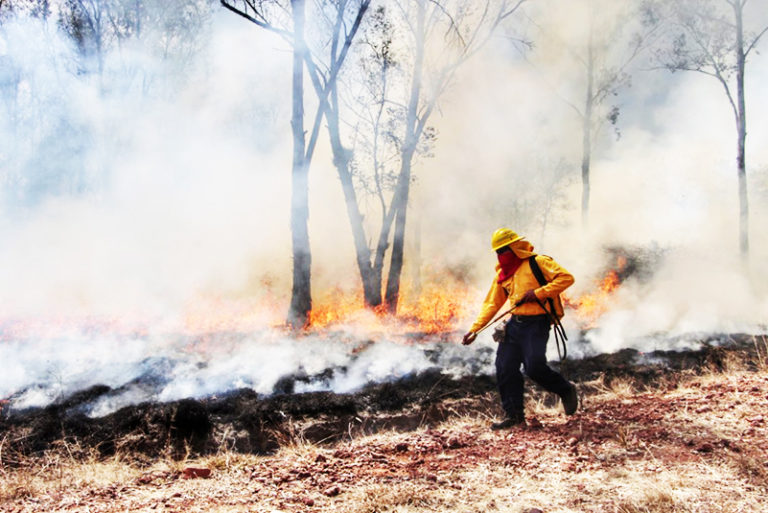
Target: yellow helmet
{"points": [[504, 237]]}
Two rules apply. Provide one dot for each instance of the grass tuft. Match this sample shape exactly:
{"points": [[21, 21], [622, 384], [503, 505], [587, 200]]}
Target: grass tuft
{"points": [[654, 501]]}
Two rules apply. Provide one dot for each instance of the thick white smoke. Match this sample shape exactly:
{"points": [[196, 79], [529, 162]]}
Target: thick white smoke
{"points": [[154, 367]]}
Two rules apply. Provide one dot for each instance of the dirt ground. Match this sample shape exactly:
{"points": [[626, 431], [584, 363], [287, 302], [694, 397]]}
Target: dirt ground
{"points": [[691, 443]]}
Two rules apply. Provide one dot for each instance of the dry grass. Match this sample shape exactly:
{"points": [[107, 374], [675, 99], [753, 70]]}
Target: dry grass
{"points": [[761, 349], [63, 468], [696, 447]]}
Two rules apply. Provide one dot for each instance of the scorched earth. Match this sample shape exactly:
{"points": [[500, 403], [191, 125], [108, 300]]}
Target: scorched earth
{"points": [[688, 440]]}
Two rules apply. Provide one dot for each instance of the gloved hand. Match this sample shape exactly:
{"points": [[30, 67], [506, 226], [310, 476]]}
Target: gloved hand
{"points": [[469, 337], [528, 297]]}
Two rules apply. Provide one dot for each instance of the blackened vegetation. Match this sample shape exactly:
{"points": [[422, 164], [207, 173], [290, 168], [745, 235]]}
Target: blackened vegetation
{"points": [[248, 422], [636, 262]]}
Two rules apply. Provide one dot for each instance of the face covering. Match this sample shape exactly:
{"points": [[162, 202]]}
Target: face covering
{"points": [[509, 264]]}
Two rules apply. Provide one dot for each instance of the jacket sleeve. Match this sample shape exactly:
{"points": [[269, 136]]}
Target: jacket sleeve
{"points": [[493, 301], [559, 279]]}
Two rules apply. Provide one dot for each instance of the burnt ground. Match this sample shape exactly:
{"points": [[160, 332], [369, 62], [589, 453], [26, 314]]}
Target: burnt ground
{"points": [[260, 424]]}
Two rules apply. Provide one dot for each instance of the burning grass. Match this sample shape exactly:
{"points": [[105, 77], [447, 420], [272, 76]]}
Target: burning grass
{"points": [[685, 442], [446, 299], [444, 302], [437, 306]]}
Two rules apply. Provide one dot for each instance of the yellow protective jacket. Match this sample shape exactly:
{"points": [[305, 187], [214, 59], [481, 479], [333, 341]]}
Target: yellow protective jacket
{"points": [[523, 280]]}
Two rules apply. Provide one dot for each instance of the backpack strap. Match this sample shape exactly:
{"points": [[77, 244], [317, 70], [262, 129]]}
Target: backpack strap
{"points": [[542, 281], [560, 336]]}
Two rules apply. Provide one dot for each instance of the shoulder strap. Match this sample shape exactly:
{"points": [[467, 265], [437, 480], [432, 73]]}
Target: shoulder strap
{"points": [[542, 281], [560, 336], [537, 271]]}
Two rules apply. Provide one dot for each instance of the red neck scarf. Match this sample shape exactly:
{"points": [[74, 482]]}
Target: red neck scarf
{"points": [[509, 264]]}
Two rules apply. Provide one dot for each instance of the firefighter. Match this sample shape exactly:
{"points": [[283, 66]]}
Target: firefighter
{"points": [[527, 330]]}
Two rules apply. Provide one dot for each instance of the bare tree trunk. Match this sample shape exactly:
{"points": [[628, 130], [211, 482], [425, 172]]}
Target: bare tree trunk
{"points": [[301, 295], [371, 293], [400, 206], [415, 252], [586, 148], [381, 248], [387, 216], [341, 159], [741, 127], [411, 139]]}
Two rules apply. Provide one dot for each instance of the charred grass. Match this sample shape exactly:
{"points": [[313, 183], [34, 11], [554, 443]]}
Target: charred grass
{"points": [[687, 440]]}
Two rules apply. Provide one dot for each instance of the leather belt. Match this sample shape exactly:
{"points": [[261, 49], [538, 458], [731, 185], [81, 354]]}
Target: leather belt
{"points": [[529, 318]]}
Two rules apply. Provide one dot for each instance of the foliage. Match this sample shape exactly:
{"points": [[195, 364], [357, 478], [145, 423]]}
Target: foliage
{"points": [[167, 27], [35, 8], [378, 112]]}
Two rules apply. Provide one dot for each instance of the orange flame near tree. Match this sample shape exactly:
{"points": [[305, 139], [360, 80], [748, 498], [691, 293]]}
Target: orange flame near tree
{"points": [[436, 307]]}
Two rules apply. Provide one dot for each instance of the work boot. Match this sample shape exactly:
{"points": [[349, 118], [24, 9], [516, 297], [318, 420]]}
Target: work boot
{"points": [[509, 421], [570, 400]]}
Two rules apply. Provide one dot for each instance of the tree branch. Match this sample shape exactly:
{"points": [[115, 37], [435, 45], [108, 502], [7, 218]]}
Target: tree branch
{"points": [[575, 55], [512, 10], [754, 41], [554, 89], [452, 23], [284, 33], [350, 36], [324, 90], [713, 62]]}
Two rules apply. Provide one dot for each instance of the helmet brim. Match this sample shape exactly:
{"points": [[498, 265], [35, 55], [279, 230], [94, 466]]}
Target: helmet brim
{"points": [[507, 243]]}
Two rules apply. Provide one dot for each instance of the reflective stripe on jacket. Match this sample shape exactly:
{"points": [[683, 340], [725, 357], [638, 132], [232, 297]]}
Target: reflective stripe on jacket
{"points": [[523, 280]]}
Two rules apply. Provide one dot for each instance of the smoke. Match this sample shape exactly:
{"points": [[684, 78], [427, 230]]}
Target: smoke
{"points": [[666, 185], [144, 212], [142, 187], [166, 368]]}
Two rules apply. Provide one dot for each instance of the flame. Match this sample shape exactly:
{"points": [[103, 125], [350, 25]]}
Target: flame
{"points": [[435, 307], [438, 307], [430, 309], [335, 306], [590, 307]]}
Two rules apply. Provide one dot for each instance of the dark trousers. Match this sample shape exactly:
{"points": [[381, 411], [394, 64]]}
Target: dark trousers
{"points": [[525, 342]]}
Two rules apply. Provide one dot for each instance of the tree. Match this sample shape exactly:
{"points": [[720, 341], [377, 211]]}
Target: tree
{"points": [[169, 27], [270, 16], [602, 48], [87, 23], [36, 8], [409, 57], [709, 37], [378, 116], [38, 110]]}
